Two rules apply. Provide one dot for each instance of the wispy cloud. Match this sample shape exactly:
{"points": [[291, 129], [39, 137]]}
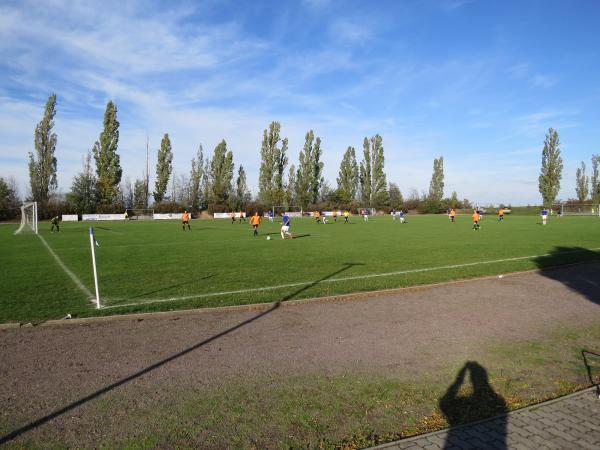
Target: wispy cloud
{"points": [[204, 71], [544, 81], [351, 31], [538, 123], [452, 5], [524, 71]]}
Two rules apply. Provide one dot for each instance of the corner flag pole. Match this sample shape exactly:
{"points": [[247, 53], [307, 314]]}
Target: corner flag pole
{"points": [[93, 246]]}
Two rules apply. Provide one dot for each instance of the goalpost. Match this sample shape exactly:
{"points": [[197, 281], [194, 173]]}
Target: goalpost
{"points": [[580, 209], [294, 211], [140, 213], [29, 218]]}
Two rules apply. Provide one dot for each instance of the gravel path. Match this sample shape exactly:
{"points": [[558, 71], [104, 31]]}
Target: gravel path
{"points": [[404, 332]]}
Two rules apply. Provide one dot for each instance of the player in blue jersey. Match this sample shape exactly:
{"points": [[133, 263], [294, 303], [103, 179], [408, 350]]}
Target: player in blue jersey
{"points": [[285, 227], [544, 214]]}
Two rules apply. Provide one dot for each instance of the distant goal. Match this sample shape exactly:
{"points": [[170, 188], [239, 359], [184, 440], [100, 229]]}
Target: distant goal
{"points": [[29, 218], [293, 211], [140, 214], [580, 209]]}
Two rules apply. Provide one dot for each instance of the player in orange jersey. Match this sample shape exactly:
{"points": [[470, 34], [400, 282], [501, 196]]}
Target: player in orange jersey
{"points": [[476, 218], [501, 215], [185, 220], [255, 222]]}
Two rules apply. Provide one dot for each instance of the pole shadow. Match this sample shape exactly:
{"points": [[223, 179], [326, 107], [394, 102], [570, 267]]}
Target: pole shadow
{"points": [[582, 278], [586, 354], [94, 395], [172, 286], [481, 403]]}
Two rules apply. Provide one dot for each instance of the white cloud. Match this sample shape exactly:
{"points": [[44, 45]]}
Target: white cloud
{"points": [[544, 81], [519, 71], [350, 31]]}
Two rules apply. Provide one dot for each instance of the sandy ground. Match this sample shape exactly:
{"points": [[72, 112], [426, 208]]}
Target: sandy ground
{"points": [[44, 369]]}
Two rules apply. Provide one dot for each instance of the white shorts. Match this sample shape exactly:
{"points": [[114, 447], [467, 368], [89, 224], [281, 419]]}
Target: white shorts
{"points": [[285, 228]]}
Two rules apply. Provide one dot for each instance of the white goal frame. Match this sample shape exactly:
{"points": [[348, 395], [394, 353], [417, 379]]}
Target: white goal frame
{"points": [[140, 213], [580, 209], [280, 209], [30, 221]]}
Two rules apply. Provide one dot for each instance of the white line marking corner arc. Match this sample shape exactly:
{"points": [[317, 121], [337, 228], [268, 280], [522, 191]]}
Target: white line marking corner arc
{"points": [[71, 275]]}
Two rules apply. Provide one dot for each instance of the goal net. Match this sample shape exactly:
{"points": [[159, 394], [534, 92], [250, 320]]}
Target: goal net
{"points": [[580, 209], [140, 214], [293, 211], [29, 218]]}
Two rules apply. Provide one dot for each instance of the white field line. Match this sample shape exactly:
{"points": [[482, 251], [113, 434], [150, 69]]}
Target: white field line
{"points": [[337, 280], [71, 275]]}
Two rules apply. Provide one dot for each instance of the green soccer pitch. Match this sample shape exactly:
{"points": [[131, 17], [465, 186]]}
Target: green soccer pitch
{"points": [[155, 266]]}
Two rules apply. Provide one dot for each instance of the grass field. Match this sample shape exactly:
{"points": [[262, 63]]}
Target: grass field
{"points": [[154, 266]]}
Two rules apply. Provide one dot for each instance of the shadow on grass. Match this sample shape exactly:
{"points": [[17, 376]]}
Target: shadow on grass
{"points": [[482, 402], [172, 286], [59, 412], [587, 356], [583, 278]]}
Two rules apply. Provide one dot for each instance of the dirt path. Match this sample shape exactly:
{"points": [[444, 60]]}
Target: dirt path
{"points": [[44, 369]]}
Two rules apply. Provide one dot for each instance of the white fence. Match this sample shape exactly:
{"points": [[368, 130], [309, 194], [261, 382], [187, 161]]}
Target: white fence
{"points": [[102, 217], [225, 215], [70, 218], [167, 216]]}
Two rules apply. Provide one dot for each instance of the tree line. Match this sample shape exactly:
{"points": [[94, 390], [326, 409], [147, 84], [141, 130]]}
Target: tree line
{"points": [[587, 189], [214, 184]]}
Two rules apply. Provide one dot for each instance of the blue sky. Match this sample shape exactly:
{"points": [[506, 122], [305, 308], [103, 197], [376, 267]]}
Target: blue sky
{"points": [[478, 82]]}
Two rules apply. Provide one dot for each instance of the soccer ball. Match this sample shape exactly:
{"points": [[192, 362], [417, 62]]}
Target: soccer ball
{"points": [[268, 238]]}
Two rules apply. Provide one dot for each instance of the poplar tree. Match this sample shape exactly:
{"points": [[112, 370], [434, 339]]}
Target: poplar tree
{"points": [[379, 194], [552, 165], [196, 174], [305, 172], [241, 189], [108, 165], [273, 163], [290, 190], [436, 185], [316, 178], [365, 174], [206, 186], [582, 182], [221, 174], [164, 167], [372, 178], [42, 165], [347, 180], [83, 190], [595, 191]]}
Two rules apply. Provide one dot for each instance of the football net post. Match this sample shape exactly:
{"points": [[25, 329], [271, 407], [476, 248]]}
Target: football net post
{"points": [[93, 247], [580, 209], [280, 209], [140, 213], [29, 218]]}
